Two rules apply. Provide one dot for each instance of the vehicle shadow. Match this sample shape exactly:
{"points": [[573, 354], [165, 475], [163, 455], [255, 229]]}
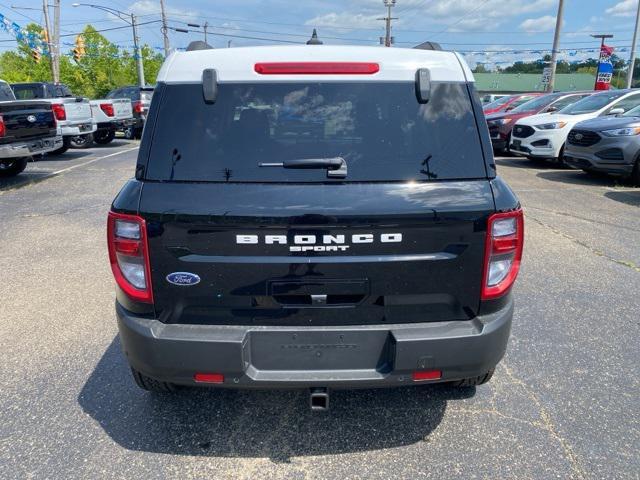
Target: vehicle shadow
{"points": [[576, 177], [69, 155], [630, 198], [256, 423], [521, 162]]}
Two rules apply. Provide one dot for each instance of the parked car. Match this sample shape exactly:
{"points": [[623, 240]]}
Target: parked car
{"points": [[265, 242], [27, 128], [608, 144], [140, 98], [544, 136], [73, 114], [111, 115], [506, 104], [501, 124], [492, 97]]}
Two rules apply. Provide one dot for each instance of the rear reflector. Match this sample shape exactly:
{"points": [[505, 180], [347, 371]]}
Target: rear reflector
{"points": [[107, 108], [3, 129], [427, 375], [317, 68], [209, 377], [129, 255], [503, 253]]}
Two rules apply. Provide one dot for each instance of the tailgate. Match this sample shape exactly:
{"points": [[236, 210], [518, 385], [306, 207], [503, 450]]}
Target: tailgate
{"points": [[77, 112], [27, 119], [269, 254], [122, 108]]}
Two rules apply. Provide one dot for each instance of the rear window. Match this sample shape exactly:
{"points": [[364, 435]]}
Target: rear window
{"points": [[6, 94], [380, 129], [28, 92]]}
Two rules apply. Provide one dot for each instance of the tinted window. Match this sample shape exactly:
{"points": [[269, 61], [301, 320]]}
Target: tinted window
{"points": [[6, 94], [520, 101], [380, 129], [591, 104], [27, 92], [534, 104], [498, 103], [114, 94]]}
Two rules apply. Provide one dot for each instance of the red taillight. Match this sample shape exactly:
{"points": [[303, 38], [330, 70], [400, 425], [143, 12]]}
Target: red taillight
{"points": [[137, 106], [129, 255], [58, 111], [427, 375], [503, 253], [107, 108], [209, 377], [317, 68], [3, 129]]}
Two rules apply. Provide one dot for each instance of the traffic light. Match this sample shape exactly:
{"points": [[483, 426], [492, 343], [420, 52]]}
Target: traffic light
{"points": [[79, 50], [36, 55]]}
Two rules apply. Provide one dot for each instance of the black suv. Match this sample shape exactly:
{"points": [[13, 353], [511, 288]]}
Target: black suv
{"points": [[140, 100], [328, 222]]}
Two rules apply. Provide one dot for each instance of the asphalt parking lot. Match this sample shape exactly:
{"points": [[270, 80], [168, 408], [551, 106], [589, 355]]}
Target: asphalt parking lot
{"points": [[565, 402]]}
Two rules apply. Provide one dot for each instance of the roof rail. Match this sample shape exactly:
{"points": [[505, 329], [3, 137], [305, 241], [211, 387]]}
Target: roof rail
{"points": [[429, 46], [198, 45]]}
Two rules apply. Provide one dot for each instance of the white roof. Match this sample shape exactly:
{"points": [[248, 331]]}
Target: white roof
{"points": [[237, 64]]}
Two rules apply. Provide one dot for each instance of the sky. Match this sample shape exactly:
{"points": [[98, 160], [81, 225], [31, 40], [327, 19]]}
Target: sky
{"points": [[493, 32]]}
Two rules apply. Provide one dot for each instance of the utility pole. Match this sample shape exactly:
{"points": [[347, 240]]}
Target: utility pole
{"points": [[206, 26], [556, 44], [137, 51], [45, 11], [632, 58], [165, 32], [56, 41], [388, 40]]}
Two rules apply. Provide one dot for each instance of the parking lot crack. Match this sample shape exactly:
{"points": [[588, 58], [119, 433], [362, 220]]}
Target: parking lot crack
{"points": [[595, 251], [547, 424], [585, 219]]}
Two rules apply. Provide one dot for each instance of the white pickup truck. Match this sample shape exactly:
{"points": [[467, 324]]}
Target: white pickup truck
{"points": [[73, 114], [111, 115]]}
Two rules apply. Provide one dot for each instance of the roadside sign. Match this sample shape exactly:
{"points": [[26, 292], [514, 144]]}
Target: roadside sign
{"points": [[605, 68]]}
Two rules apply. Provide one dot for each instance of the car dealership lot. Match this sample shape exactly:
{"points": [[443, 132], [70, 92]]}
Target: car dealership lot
{"points": [[564, 402]]}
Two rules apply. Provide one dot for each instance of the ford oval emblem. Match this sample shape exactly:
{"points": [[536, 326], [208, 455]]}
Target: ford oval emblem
{"points": [[183, 278], [31, 118], [579, 136]]}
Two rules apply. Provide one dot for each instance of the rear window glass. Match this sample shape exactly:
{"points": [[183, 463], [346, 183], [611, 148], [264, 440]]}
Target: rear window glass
{"points": [[6, 94], [27, 92], [379, 129]]}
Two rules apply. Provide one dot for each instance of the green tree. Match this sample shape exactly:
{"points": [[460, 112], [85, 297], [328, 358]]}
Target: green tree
{"points": [[104, 66]]}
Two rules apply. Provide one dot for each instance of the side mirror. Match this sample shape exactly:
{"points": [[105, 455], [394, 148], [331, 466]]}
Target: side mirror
{"points": [[509, 108], [551, 109], [616, 111]]}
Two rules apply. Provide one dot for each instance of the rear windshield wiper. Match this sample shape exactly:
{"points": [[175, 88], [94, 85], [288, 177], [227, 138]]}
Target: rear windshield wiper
{"points": [[336, 166]]}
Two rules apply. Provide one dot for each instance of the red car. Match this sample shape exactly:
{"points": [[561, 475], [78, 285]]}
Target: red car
{"points": [[501, 124], [506, 104]]}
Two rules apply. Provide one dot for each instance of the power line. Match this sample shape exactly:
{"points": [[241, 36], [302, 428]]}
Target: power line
{"points": [[111, 29]]}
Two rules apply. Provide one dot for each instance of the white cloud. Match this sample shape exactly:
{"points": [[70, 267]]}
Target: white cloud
{"points": [[345, 20], [541, 24], [150, 7], [626, 8]]}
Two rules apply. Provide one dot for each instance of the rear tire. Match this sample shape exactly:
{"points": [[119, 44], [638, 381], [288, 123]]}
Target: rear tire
{"points": [[103, 137], [151, 385], [82, 141], [12, 167], [474, 381], [66, 143]]}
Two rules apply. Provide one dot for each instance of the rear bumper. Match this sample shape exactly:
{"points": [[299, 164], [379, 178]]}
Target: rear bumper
{"points": [[71, 130], [337, 357], [117, 124], [27, 148]]}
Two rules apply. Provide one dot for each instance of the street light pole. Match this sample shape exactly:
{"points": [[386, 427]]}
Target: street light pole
{"points": [[556, 44], [632, 58], [387, 19], [54, 72], [131, 20], [137, 51]]}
